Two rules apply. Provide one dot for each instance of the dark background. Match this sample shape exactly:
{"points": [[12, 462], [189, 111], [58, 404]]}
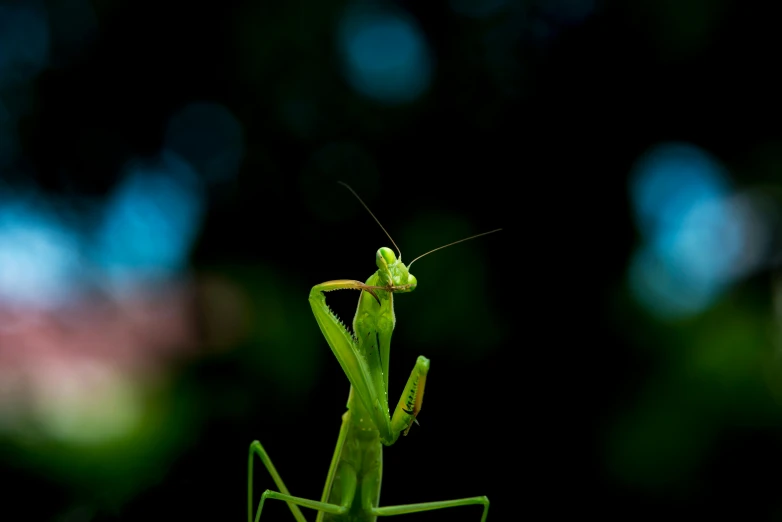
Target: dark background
{"points": [[552, 386]]}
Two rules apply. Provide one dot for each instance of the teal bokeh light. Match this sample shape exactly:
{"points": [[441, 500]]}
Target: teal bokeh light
{"points": [[477, 8], [671, 179], [24, 43], [680, 196], [151, 221], [384, 54], [568, 12], [38, 253], [209, 137]]}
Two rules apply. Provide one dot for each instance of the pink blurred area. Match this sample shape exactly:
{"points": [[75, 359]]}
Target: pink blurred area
{"points": [[136, 332], [137, 336]]}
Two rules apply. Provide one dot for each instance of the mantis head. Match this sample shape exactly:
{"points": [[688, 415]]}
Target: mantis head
{"points": [[393, 272]]}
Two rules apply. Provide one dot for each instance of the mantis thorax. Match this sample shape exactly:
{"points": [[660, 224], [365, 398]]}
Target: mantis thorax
{"points": [[392, 272]]}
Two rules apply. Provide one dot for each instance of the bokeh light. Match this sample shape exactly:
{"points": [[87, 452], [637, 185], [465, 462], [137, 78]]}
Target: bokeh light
{"points": [[346, 161], [567, 12], [451, 326], [150, 221], [209, 138], [501, 44], [74, 27], [671, 179], [698, 238], [385, 55], [24, 42], [86, 404], [477, 8], [39, 254]]}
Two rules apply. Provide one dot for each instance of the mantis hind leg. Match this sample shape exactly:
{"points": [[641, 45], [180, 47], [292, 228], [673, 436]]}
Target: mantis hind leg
{"points": [[371, 483], [257, 449], [348, 480], [293, 501], [430, 506]]}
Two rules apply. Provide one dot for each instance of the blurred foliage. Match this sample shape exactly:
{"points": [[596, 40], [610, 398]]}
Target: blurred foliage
{"points": [[113, 471], [463, 325], [710, 376], [282, 332]]}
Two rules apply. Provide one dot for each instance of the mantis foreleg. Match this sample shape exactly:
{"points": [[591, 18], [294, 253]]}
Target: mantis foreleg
{"points": [[360, 356]]}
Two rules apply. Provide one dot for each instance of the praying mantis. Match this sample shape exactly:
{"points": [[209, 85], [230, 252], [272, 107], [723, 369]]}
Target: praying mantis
{"points": [[352, 490]]}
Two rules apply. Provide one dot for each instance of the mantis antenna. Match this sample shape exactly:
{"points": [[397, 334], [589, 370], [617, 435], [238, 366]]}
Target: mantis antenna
{"points": [[373, 216], [451, 244]]}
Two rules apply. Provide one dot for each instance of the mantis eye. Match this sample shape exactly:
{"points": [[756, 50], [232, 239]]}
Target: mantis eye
{"points": [[412, 281], [388, 255]]}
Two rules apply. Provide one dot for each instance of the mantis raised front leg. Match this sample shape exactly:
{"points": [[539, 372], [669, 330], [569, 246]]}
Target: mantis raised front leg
{"points": [[352, 489]]}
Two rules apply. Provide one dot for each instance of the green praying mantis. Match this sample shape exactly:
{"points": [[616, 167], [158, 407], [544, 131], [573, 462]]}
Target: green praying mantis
{"points": [[352, 490]]}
